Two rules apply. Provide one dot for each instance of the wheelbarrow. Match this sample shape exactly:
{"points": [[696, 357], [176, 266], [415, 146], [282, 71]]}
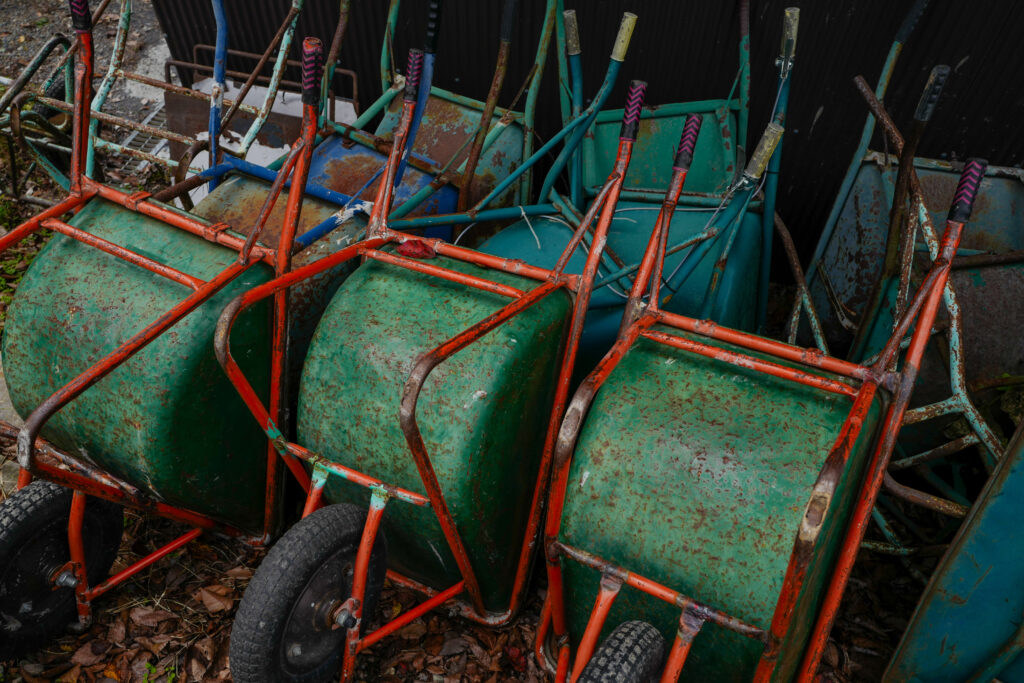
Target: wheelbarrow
{"points": [[873, 223], [719, 243], [105, 347], [968, 625], [463, 362], [45, 139], [711, 486]]}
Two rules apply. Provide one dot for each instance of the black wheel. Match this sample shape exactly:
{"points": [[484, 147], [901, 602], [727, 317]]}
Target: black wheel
{"points": [[282, 631], [633, 653], [33, 545]]}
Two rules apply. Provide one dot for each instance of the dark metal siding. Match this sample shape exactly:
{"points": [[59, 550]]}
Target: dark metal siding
{"points": [[687, 50]]}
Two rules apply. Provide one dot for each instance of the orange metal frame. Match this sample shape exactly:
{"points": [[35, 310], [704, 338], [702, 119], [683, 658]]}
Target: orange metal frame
{"points": [[409, 252], [639, 320], [39, 458]]}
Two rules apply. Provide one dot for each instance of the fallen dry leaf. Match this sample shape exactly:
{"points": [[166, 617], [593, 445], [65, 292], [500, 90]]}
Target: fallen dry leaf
{"points": [[216, 598]]}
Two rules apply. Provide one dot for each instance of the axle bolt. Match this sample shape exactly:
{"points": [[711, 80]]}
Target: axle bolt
{"points": [[345, 619], [66, 580]]}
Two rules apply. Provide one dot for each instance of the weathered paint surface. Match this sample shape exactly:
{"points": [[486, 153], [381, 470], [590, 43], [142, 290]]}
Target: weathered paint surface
{"points": [[238, 201], [651, 165], [696, 474], [482, 413], [627, 236], [973, 604], [445, 128], [853, 259], [167, 421]]}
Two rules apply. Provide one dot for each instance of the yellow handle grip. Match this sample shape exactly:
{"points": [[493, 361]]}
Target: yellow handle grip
{"points": [[625, 34], [572, 32], [790, 24], [763, 152]]}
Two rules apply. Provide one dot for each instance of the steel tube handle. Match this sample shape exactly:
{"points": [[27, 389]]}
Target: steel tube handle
{"points": [[413, 71], [967, 190], [790, 24], [572, 32], [687, 142], [433, 26], [312, 70], [81, 19], [631, 115], [763, 152], [508, 20], [625, 34], [932, 90]]}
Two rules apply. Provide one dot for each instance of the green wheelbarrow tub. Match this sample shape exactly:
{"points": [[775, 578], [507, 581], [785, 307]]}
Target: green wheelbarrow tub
{"points": [[483, 413], [167, 420], [696, 474], [650, 167], [969, 624]]}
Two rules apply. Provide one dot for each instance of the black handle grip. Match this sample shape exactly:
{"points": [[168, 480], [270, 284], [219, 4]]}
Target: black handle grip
{"points": [[433, 26], [932, 91], [907, 27], [508, 20], [967, 190], [413, 71], [81, 19], [687, 142], [312, 70], [631, 115]]}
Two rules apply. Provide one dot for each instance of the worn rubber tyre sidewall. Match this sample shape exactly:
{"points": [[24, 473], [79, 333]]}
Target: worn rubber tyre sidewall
{"points": [[256, 648], [633, 653], [43, 508]]}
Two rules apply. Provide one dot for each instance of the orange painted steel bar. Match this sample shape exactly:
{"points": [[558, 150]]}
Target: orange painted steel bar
{"points": [[606, 594], [128, 572], [149, 264], [446, 273], [411, 615], [742, 360], [879, 463], [374, 516], [689, 626]]}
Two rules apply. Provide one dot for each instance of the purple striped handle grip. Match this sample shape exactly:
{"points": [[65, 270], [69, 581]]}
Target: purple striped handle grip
{"points": [[691, 129], [967, 190], [312, 70], [81, 19], [631, 115], [413, 71]]}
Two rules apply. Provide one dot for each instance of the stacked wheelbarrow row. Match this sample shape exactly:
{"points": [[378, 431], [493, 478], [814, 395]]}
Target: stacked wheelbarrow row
{"points": [[433, 473], [720, 246], [111, 337], [710, 487]]}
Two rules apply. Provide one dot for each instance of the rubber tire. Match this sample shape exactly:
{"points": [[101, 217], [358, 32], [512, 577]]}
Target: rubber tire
{"points": [[256, 648], [633, 653], [41, 511]]}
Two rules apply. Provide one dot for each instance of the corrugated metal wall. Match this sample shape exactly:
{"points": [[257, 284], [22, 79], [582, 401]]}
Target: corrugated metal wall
{"points": [[687, 50]]}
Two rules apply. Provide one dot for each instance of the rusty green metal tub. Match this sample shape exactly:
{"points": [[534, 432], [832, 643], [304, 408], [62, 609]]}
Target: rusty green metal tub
{"points": [[697, 474], [483, 413]]}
